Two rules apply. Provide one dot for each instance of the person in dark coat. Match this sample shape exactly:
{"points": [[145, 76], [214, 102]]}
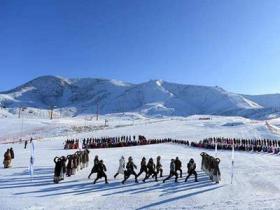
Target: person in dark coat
{"points": [[178, 166], [130, 166], [101, 169], [7, 159], [56, 170], [25, 144], [191, 170], [70, 164], [151, 170], [143, 167], [172, 172], [63, 160], [95, 166], [12, 153]]}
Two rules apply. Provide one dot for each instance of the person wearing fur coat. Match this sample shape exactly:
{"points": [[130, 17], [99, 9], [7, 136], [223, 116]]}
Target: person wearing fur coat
{"points": [[121, 168]]}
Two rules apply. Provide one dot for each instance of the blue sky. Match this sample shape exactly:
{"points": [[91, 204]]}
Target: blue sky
{"points": [[234, 44]]}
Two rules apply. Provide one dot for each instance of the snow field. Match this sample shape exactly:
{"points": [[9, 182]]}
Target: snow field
{"points": [[256, 176], [255, 185]]}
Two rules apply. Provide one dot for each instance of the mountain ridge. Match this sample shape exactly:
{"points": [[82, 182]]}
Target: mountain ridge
{"points": [[154, 97]]}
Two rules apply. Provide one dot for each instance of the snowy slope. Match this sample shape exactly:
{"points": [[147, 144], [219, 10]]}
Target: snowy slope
{"points": [[208, 100], [268, 100], [41, 92], [152, 98]]}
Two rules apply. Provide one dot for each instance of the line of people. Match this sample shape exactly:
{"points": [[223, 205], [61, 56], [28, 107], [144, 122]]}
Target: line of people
{"points": [[70, 164], [110, 142], [119, 141], [260, 145], [151, 169]]}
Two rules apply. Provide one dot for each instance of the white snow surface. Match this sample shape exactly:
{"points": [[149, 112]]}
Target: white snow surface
{"points": [[190, 128], [256, 175]]}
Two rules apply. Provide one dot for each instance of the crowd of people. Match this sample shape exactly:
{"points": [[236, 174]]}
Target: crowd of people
{"points": [[9, 155], [210, 166], [260, 145], [71, 144], [70, 164], [264, 145]]}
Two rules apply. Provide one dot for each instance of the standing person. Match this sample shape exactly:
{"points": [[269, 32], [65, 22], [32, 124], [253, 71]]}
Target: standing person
{"points": [[57, 170], [172, 171], [130, 166], [63, 160], [7, 159], [86, 151], [25, 144], [94, 168], [75, 164], [143, 167], [178, 166], [12, 153], [191, 170], [121, 167], [101, 168], [151, 170], [79, 160], [159, 166], [83, 159], [70, 164]]}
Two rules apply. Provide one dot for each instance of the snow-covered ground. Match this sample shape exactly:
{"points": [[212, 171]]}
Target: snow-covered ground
{"points": [[256, 182], [191, 128], [256, 176]]}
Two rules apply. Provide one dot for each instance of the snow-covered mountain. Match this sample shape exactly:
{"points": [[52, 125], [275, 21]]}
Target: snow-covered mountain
{"points": [[267, 100], [154, 97]]}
